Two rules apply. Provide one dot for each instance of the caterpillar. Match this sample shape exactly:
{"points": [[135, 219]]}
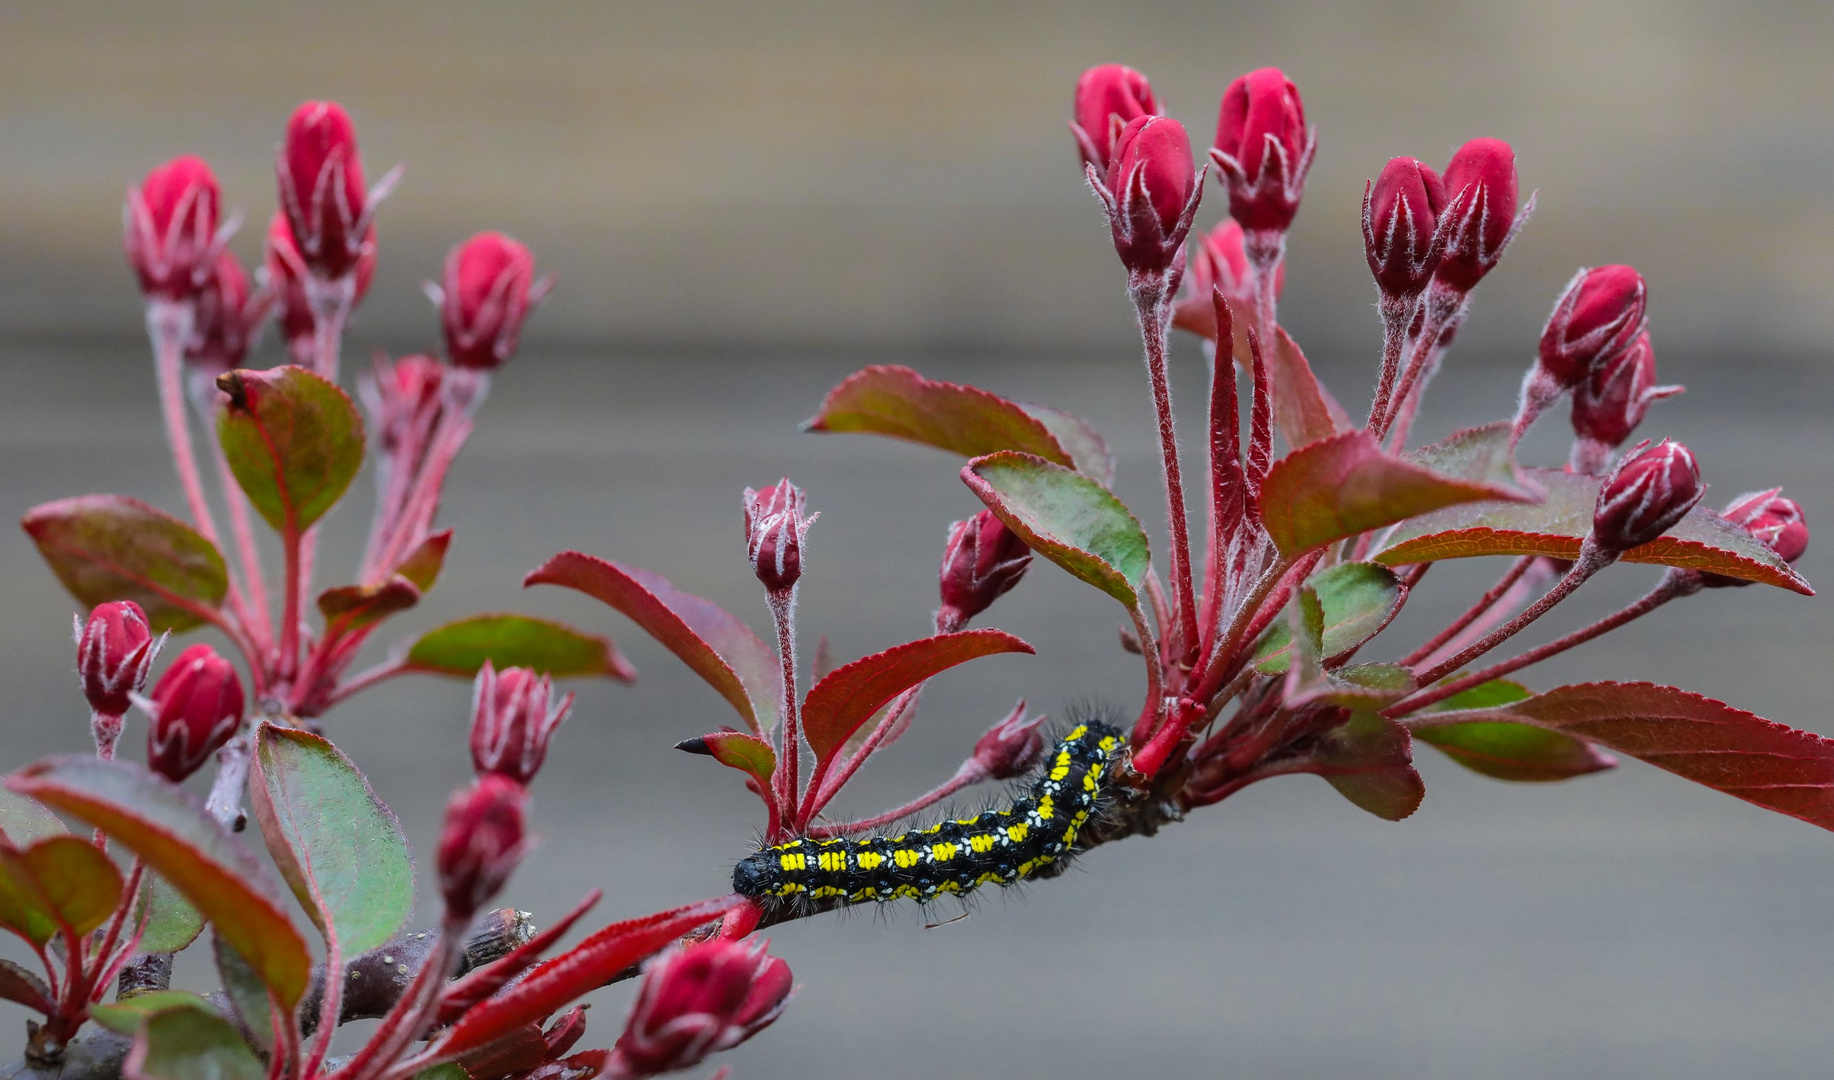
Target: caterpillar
{"points": [[1030, 838]]}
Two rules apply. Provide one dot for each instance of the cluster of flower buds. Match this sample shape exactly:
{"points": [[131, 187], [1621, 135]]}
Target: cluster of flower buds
{"points": [[700, 1000], [489, 288], [1403, 237], [1650, 490], [1108, 98], [171, 229], [513, 715], [1009, 749], [196, 706], [1609, 403], [1263, 149], [776, 521], [1775, 520], [982, 561], [328, 209], [1598, 318], [287, 275], [1219, 262], [485, 836]]}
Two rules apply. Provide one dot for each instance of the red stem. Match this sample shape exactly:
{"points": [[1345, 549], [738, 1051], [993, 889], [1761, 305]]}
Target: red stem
{"points": [[1471, 615], [823, 787], [291, 542], [966, 776], [1397, 313], [1154, 311], [787, 781], [363, 680], [1591, 560]]}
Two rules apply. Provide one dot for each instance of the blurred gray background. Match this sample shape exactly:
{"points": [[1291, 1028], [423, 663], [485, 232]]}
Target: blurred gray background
{"points": [[745, 203]]}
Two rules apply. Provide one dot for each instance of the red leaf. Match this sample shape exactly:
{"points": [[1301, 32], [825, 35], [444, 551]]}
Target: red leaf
{"points": [[464, 994], [580, 970], [1346, 485], [848, 697], [1706, 741], [352, 607], [1701, 541], [111, 547], [1304, 410], [423, 564], [19, 985], [736, 750], [888, 399], [1370, 761], [718, 647]]}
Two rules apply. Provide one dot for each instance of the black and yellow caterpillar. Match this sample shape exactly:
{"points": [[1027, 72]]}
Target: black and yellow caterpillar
{"points": [[1030, 838]]}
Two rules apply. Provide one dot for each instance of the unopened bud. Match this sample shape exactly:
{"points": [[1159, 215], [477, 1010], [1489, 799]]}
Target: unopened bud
{"points": [[322, 191], [1149, 193], [982, 560], [1480, 192], [512, 719], [1775, 520], [1107, 98], [1598, 317], [700, 1000], [489, 287], [286, 279], [1012, 747], [1219, 260], [114, 650], [228, 317], [485, 836], [1263, 149], [171, 228], [1610, 403], [1651, 489], [196, 706], [1400, 220], [775, 524]]}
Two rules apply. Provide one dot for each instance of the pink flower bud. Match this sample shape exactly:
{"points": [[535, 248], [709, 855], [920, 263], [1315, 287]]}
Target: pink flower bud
{"points": [[1107, 98], [1012, 747], [1400, 218], [228, 318], [1649, 491], [196, 706], [485, 836], [1150, 193], [171, 228], [1610, 403], [1774, 520], [1219, 260], [981, 561], [321, 189], [1598, 317], [114, 649], [512, 721], [1480, 192], [699, 1000], [490, 285], [775, 524], [402, 397], [286, 279], [1263, 149]]}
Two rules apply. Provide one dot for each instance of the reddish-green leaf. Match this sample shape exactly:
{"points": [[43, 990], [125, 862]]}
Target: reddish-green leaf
{"points": [[1346, 485], [1358, 599], [171, 832], [1370, 762], [1481, 454], [338, 847], [891, 400], [294, 441], [423, 564], [58, 883], [247, 996], [191, 1044], [1087, 449], [111, 547], [715, 645], [1706, 741], [1067, 517], [352, 607], [580, 970], [172, 923], [1507, 751], [21, 986], [736, 750], [23, 820], [1701, 541], [125, 1017], [460, 648], [851, 693]]}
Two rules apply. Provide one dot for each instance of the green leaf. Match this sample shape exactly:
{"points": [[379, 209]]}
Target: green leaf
{"points": [[352, 607], [172, 924], [1067, 517], [294, 441], [460, 648], [58, 883], [891, 400], [246, 994], [111, 547], [451, 1070], [1347, 485], [1555, 526], [336, 844], [126, 1016], [1515, 751], [423, 564], [1359, 599], [1088, 451], [191, 1044], [177, 839], [23, 820]]}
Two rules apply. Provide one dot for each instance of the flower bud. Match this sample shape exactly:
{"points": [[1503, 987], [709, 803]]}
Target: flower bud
{"points": [[1400, 218], [485, 836], [1598, 317], [1774, 520], [1107, 98], [775, 524], [321, 189], [1649, 491], [114, 650], [1219, 260], [228, 318], [699, 1000], [286, 279], [1480, 193], [171, 228], [490, 285], [402, 396], [511, 721], [981, 561], [1150, 193], [1263, 149], [1610, 403], [1010, 748], [196, 706]]}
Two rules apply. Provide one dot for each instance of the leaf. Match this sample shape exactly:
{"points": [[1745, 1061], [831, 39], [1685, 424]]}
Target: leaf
{"points": [[352, 607], [172, 924], [60, 883], [335, 843], [1088, 451], [1706, 741], [1304, 411], [850, 694], [177, 839], [1505, 751], [1066, 517], [1346, 485], [1701, 541], [714, 644], [294, 441], [111, 547], [1359, 601], [1368, 686], [584, 968], [460, 648], [191, 1044], [423, 564], [247, 996], [464, 993], [736, 750], [23, 820], [1480, 454], [24, 988], [1369, 761], [887, 399], [125, 1016]]}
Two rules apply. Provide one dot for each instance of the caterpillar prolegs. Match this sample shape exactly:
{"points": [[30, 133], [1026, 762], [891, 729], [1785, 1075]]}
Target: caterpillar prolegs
{"points": [[1028, 839]]}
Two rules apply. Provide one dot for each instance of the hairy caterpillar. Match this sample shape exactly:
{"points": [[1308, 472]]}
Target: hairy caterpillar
{"points": [[1028, 839]]}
